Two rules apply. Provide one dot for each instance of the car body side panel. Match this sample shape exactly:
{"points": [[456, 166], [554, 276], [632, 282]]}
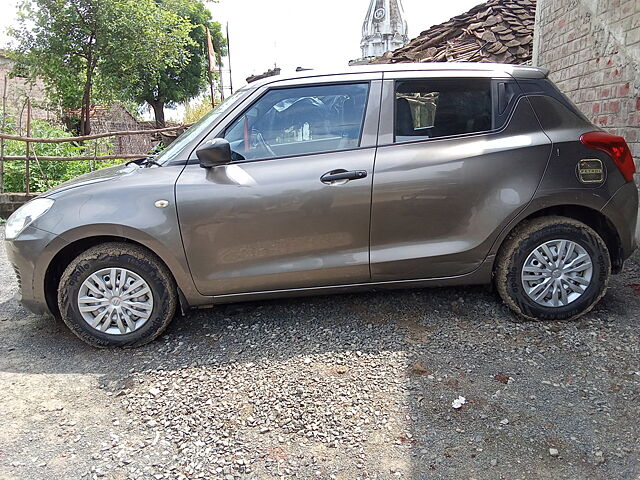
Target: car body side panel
{"points": [[122, 207], [439, 205], [273, 224]]}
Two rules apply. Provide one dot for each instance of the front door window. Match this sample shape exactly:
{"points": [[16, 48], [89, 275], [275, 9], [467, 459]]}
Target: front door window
{"points": [[300, 121]]}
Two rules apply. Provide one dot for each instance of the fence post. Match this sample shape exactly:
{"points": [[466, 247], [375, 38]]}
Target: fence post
{"points": [[27, 175], [4, 125]]}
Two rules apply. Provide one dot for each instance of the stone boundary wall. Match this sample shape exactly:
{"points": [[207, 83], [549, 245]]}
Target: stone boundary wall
{"points": [[10, 202]]}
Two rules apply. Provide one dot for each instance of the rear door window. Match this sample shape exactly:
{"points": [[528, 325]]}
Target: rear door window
{"points": [[435, 108], [299, 121]]}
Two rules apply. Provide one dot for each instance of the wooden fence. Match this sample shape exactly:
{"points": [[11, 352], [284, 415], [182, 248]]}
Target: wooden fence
{"points": [[31, 155]]}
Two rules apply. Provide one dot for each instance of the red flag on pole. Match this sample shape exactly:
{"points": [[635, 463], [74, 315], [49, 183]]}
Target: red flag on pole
{"points": [[211, 60], [211, 53]]}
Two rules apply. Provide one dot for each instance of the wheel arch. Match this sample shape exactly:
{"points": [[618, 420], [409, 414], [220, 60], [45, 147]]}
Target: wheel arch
{"points": [[587, 215], [65, 255]]}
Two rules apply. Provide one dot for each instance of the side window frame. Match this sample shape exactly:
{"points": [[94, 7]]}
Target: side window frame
{"points": [[397, 81], [372, 93], [500, 89]]}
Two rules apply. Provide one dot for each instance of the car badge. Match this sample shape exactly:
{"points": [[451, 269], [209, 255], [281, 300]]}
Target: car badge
{"points": [[590, 170]]}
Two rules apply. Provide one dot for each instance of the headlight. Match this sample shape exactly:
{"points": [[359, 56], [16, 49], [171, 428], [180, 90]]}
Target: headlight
{"points": [[25, 215]]}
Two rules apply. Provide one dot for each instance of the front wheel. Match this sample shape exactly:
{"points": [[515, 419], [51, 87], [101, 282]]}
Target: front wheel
{"points": [[552, 268], [117, 295]]}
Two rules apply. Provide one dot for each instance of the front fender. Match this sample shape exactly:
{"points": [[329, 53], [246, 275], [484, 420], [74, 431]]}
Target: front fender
{"points": [[124, 208]]}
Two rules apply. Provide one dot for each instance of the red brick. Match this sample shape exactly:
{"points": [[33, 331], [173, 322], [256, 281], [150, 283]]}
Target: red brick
{"points": [[623, 90], [596, 108]]}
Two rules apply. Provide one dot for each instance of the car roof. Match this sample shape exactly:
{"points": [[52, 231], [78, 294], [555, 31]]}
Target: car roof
{"points": [[518, 71]]}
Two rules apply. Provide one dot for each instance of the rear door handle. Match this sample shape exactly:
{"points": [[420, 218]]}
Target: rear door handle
{"points": [[342, 176]]}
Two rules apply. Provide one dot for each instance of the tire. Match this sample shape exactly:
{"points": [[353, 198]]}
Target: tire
{"points": [[153, 300], [518, 251]]}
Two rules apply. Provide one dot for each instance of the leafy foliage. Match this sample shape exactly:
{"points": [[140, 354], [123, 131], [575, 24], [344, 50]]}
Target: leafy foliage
{"points": [[197, 110], [47, 174], [76, 45], [171, 84]]}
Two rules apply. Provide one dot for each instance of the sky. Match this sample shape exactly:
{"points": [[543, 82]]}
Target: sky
{"points": [[318, 34]]}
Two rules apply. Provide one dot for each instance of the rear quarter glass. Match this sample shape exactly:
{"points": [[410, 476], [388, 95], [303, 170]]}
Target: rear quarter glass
{"points": [[547, 87]]}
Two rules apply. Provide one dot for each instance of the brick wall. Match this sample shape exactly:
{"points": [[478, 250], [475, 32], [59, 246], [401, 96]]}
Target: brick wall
{"points": [[592, 48], [18, 89], [115, 118]]}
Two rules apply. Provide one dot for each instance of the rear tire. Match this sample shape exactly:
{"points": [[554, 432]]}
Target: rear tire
{"points": [[562, 287], [129, 310]]}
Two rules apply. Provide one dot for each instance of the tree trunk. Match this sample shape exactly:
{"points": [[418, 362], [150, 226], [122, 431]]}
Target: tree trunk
{"points": [[158, 111], [85, 113]]}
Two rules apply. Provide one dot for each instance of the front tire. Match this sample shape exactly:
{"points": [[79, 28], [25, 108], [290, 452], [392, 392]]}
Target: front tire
{"points": [[552, 268], [117, 295]]}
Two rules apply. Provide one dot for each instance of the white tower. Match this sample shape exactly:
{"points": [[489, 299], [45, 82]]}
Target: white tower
{"points": [[384, 28]]}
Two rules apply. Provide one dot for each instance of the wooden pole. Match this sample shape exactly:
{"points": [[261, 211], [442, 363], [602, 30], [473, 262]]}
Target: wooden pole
{"points": [[221, 82], [93, 137], [47, 158], [229, 61], [27, 173], [4, 125], [213, 98]]}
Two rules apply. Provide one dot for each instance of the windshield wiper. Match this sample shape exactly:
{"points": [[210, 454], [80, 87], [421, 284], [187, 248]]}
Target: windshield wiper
{"points": [[145, 162]]}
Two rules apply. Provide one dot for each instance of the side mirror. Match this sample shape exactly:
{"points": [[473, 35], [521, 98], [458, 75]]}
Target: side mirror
{"points": [[214, 152]]}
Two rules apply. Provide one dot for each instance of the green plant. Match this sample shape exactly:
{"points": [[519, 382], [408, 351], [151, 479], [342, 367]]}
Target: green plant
{"points": [[199, 109], [47, 174]]}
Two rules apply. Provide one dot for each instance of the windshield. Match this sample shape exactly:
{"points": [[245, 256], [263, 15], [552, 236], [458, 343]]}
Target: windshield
{"points": [[201, 125]]}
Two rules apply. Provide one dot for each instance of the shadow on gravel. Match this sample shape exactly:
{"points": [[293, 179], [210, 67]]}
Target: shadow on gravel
{"points": [[45, 345]]}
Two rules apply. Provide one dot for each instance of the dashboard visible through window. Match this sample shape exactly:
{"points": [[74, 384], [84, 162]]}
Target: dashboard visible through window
{"points": [[299, 121]]}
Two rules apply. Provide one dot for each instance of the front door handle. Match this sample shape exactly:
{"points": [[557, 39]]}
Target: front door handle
{"points": [[342, 176]]}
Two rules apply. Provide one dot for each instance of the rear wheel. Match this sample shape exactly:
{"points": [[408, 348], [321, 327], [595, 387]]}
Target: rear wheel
{"points": [[552, 268], [117, 295]]}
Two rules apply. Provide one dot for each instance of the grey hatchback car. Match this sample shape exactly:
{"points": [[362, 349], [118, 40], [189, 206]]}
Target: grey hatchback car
{"points": [[376, 177]]}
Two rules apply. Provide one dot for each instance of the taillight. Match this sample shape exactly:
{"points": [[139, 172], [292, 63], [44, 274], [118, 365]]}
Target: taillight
{"points": [[615, 147]]}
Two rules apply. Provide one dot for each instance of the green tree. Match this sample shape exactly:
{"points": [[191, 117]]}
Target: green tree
{"points": [[77, 46], [185, 80]]}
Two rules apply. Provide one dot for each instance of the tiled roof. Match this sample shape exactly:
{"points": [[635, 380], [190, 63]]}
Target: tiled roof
{"points": [[496, 31]]}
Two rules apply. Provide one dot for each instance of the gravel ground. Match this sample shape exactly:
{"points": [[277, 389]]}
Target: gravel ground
{"points": [[343, 387]]}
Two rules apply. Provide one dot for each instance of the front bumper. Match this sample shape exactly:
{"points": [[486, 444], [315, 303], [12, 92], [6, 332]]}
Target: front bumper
{"points": [[28, 256]]}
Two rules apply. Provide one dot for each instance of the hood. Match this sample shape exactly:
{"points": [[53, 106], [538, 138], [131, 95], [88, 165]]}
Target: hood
{"points": [[102, 175]]}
